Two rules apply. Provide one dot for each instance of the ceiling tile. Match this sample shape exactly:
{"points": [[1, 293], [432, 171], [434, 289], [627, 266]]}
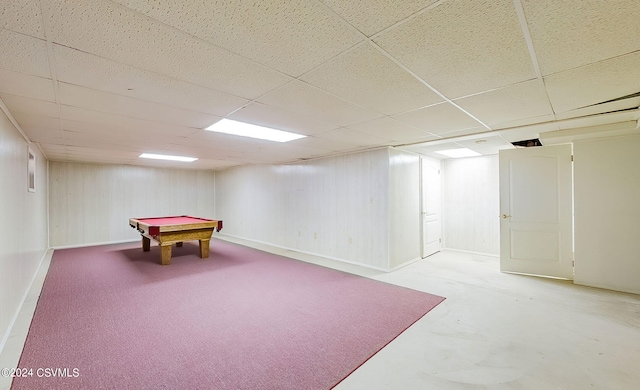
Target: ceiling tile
{"points": [[44, 134], [24, 85], [372, 16], [205, 150], [433, 146], [88, 121], [261, 114], [430, 148], [528, 132], [524, 122], [102, 141], [595, 83], [57, 148], [463, 132], [122, 35], [487, 145], [197, 152], [28, 54], [391, 129], [17, 104], [79, 68], [463, 47], [569, 34], [438, 119], [323, 144], [225, 146], [289, 151], [218, 165], [307, 100], [514, 102], [352, 137], [128, 142], [22, 16], [224, 142], [88, 154], [290, 36], [29, 120], [92, 99], [368, 78], [205, 162], [134, 75]]}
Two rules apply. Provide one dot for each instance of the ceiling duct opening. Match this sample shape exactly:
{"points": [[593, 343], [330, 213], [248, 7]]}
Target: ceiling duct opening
{"points": [[527, 143]]}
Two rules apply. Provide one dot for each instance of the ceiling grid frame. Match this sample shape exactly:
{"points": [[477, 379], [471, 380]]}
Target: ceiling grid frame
{"points": [[522, 18], [567, 93], [370, 40]]}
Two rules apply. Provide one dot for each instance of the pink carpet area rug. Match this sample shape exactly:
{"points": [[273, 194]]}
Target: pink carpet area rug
{"points": [[111, 317]]}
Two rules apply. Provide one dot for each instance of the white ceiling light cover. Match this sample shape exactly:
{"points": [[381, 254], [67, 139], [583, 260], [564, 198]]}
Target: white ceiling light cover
{"points": [[460, 152], [242, 129], [167, 157]]}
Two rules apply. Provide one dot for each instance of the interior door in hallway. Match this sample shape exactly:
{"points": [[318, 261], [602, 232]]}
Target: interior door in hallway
{"points": [[536, 232], [431, 206]]}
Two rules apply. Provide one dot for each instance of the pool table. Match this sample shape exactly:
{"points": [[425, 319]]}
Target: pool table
{"points": [[175, 230]]}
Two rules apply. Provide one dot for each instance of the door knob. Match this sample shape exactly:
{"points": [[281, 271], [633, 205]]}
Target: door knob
{"points": [[505, 216]]}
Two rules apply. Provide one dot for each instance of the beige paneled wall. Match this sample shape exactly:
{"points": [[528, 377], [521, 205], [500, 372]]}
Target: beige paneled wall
{"points": [[404, 207], [23, 225], [92, 203], [607, 213], [335, 207], [471, 202]]}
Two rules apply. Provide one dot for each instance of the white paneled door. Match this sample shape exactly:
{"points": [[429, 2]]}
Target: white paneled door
{"points": [[431, 206], [536, 232]]}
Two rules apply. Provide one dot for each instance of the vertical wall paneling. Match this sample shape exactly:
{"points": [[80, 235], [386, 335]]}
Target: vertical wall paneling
{"points": [[335, 207], [607, 213], [92, 203], [23, 225], [471, 204], [404, 207]]}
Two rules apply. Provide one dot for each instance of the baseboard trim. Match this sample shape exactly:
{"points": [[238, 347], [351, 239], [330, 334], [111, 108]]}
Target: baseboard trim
{"points": [[397, 267], [372, 267], [47, 254], [95, 244], [471, 252]]}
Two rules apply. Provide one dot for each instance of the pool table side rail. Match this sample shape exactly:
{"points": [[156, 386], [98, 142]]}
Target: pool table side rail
{"points": [[154, 230]]}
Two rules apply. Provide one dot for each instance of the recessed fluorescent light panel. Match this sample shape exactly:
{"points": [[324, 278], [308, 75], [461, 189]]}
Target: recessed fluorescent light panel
{"points": [[165, 157], [229, 126], [460, 152]]}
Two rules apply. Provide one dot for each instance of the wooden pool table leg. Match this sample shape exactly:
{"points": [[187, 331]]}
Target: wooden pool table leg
{"points": [[165, 254], [204, 248], [146, 244]]}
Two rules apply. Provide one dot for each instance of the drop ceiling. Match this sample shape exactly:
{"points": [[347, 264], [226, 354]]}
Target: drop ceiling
{"points": [[104, 81]]}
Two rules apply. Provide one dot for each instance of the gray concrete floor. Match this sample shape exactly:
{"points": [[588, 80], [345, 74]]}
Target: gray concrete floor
{"points": [[493, 331], [504, 331]]}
